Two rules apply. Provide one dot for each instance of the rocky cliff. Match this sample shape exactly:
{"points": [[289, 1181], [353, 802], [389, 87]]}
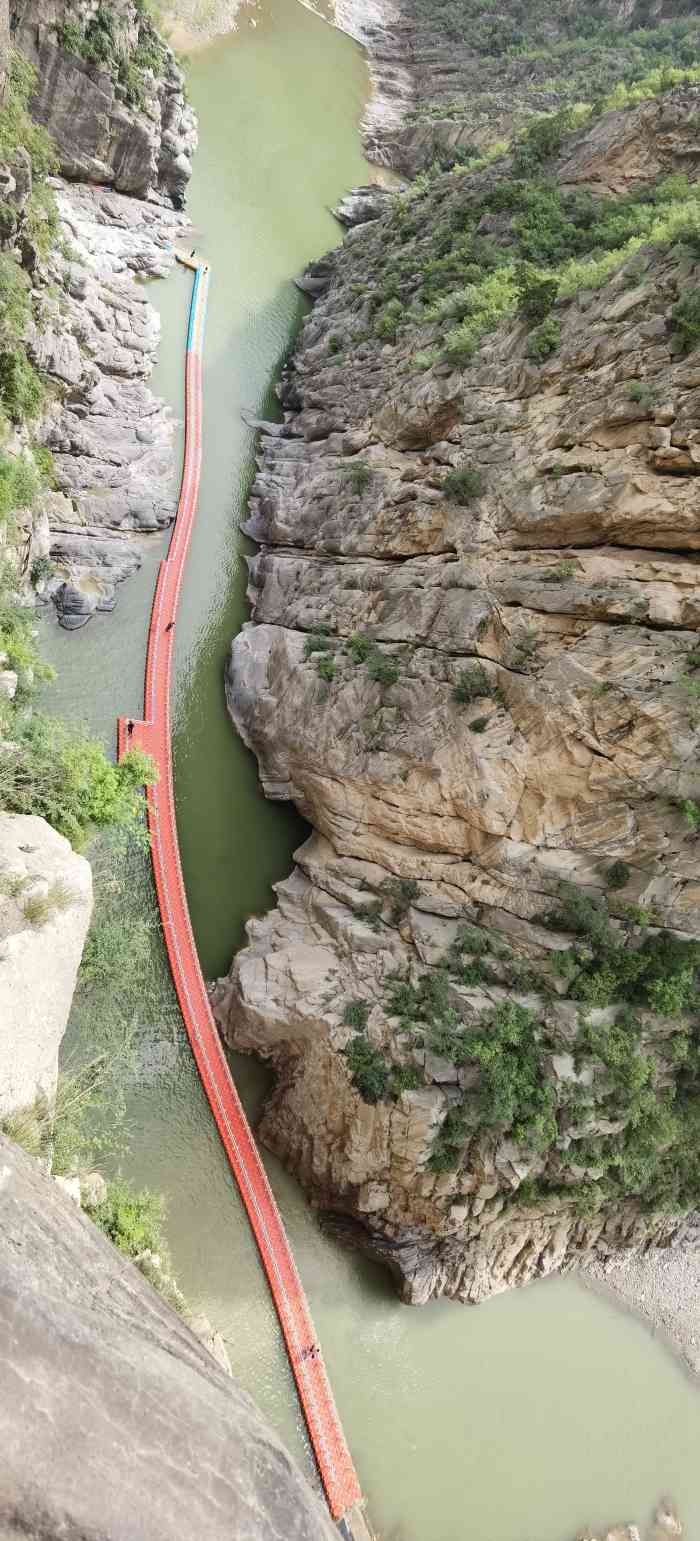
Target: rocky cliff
{"points": [[471, 665], [110, 92], [115, 1419], [451, 76]]}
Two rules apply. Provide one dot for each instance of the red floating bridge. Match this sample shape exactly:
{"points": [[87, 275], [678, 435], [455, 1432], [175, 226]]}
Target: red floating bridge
{"points": [[153, 735]]}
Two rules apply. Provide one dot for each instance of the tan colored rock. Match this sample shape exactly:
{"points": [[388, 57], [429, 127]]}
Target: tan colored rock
{"points": [[569, 581]]}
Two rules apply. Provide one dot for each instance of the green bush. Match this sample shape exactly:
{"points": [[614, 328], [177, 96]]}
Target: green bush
{"points": [[359, 475], [479, 724], [358, 647], [318, 642], [448, 1144], [405, 1078], [21, 390], [686, 319], [537, 291], [544, 340], [387, 322], [355, 1014], [463, 484], [618, 875], [57, 772], [644, 393], [471, 685], [325, 666], [382, 668], [368, 1068]]}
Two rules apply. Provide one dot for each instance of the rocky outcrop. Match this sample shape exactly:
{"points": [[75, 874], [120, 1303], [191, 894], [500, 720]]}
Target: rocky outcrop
{"points": [[164, 1444], [45, 908], [449, 80], [472, 695], [110, 93], [95, 337]]}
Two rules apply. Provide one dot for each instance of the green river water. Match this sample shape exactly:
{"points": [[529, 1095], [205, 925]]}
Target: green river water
{"points": [[544, 1409]]}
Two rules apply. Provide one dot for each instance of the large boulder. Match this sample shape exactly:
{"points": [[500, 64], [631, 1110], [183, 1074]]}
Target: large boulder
{"points": [[115, 1421], [45, 908]]}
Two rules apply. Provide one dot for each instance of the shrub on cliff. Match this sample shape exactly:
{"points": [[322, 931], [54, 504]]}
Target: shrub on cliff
{"points": [[57, 772], [544, 340], [686, 319], [463, 484], [368, 1068]]}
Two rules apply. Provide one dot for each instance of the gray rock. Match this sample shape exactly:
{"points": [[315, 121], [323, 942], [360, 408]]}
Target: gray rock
{"points": [[38, 963], [115, 1421]]}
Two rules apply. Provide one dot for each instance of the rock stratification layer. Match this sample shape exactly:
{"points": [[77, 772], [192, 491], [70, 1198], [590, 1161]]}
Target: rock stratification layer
{"points": [[471, 668]]}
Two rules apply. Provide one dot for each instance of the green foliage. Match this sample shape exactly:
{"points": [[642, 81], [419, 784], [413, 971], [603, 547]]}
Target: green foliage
{"points": [[39, 908], [131, 1220], [618, 875], [448, 1145], [472, 684], [335, 343], [368, 1068], [659, 971], [403, 892], [325, 666], [537, 291], [463, 484], [382, 668], [405, 1078], [318, 642], [42, 569], [545, 339], [359, 475], [387, 322], [16, 125], [686, 319], [59, 773], [479, 724], [359, 647], [644, 393], [19, 484], [21, 390], [355, 1014], [99, 43], [14, 300]]}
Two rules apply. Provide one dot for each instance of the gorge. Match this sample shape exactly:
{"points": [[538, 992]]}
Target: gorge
{"points": [[170, 1151]]}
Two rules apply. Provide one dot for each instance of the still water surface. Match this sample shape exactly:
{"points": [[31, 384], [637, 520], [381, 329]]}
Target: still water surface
{"points": [[545, 1409]]}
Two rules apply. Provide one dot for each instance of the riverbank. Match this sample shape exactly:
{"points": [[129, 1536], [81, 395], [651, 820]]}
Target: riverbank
{"points": [[662, 1287]]}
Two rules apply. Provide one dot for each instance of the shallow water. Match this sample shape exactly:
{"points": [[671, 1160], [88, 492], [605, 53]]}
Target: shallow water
{"points": [[545, 1409]]}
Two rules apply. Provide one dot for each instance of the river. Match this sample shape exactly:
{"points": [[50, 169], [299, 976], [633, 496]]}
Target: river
{"points": [[545, 1409]]}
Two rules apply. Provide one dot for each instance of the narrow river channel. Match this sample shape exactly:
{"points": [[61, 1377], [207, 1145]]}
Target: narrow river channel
{"points": [[545, 1409]]}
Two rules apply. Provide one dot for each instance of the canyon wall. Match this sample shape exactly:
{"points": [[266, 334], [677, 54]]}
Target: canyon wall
{"points": [[471, 666]]}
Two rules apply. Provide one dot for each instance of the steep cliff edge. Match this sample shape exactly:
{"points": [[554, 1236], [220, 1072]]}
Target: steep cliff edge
{"points": [[109, 91], [115, 1420], [451, 76], [472, 665]]}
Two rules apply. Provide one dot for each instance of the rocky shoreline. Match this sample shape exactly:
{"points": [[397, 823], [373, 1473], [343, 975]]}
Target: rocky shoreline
{"points": [[663, 1288]]}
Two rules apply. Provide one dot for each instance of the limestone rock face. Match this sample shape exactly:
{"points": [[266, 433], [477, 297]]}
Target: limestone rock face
{"points": [[565, 583], [45, 908], [110, 437], [138, 148], [164, 1445]]}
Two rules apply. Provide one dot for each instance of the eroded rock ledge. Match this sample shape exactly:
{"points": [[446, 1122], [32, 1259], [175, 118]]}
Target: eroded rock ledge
{"points": [[569, 580]]}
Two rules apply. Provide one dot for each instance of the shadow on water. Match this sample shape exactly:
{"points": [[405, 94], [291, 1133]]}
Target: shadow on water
{"points": [[545, 1409]]}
